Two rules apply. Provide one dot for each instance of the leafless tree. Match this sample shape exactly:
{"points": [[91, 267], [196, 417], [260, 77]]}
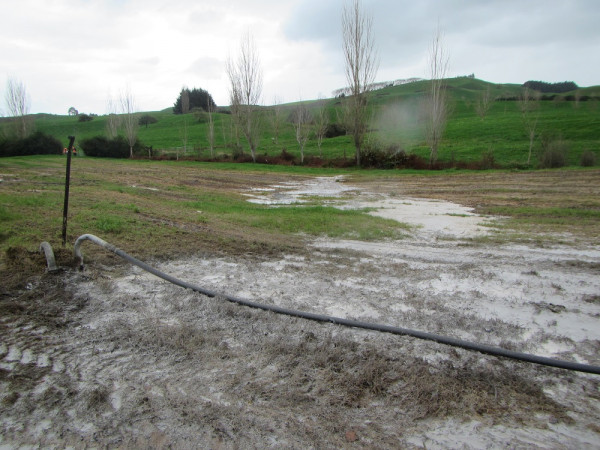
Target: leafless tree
{"points": [[276, 118], [437, 101], [529, 106], [184, 134], [484, 103], [361, 65], [130, 122], [211, 129], [343, 117], [302, 119], [17, 103], [185, 101], [577, 98], [113, 120], [321, 120], [224, 133], [245, 78]]}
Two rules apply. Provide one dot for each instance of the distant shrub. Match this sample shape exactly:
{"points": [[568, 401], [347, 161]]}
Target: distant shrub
{"points": [[554, 154], [286, 156], [588, 158], [85, 117], [377, 156], [200, 115], [147, 119], [335, 130], [237, 151], [101, 146], [488, 161], [372, 155], [36, 144]]}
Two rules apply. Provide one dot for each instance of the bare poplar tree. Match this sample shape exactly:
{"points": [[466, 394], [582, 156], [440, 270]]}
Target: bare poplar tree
{"points": [[245, 78], [437, 102], [529, 104], [130, 122], [361, 65], [343, 115], [302, 118], [17, 103], [276, 118], [484, 103], [184, 134], [321, 120], [185, 100], [113, 121], [577, 98], [211, 128]]}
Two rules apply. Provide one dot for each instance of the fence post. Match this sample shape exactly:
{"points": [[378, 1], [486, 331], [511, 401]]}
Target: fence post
{"points": [[67, 182]]}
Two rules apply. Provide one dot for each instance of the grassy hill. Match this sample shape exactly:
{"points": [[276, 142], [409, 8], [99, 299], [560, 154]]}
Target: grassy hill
{"points": [[396, 113]]}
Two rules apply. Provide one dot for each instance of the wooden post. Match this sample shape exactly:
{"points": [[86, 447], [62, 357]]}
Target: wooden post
{"points": [[67, 182]]}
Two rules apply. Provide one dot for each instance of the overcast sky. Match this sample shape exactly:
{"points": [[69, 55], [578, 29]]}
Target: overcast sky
{"points": [[80, 52]]}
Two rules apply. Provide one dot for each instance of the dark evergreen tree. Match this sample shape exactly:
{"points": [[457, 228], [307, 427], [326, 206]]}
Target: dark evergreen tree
{"points": [[196, 99]]}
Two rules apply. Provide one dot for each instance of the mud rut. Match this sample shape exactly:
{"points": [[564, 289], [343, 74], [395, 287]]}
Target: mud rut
{"points": [[115, 357]]}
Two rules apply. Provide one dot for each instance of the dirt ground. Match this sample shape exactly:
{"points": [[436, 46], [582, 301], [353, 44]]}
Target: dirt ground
{"points": [[115, 357]]}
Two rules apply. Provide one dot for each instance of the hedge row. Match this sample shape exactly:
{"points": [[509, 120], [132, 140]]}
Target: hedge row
{"points": [[109, 148], [36, 144]]}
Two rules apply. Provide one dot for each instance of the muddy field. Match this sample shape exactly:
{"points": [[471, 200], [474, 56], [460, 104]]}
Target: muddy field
{"points": [[113, 356]]}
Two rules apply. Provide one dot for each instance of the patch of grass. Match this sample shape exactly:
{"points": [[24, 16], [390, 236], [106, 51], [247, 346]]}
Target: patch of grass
{"points": [[110, 198], [546, 216], [325, 220], [110, 224], [312, 220], [157, 222], [6, 215]]}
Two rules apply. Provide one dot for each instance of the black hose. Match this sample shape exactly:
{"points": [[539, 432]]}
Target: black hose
{"points": [[482, 348]]}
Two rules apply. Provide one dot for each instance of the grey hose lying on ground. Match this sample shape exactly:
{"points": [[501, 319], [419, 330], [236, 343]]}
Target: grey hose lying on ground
{"points": [[50, 260], [482, 348]]}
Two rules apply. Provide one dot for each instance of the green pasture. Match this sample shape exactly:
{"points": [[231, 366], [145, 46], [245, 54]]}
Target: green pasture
{"points": [[158, 205], [396, 120], [162, 208]]}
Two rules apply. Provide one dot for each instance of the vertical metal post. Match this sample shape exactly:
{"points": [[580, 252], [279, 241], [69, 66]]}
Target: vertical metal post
{"points": [[67, 182]]}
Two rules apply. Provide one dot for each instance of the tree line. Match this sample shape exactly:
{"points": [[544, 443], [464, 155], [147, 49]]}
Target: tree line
{"points": [[554, 88]]}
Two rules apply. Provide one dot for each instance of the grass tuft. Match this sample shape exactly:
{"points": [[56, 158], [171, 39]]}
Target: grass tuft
{"points": [[110, 224]]}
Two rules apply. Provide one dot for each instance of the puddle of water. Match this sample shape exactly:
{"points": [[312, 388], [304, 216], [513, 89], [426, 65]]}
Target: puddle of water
{"points": [[435, 217], [297, 192]]}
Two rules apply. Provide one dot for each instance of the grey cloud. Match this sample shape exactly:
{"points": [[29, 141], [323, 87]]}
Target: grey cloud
{"points": [[207, 68], [315, 20], [404, 29]]}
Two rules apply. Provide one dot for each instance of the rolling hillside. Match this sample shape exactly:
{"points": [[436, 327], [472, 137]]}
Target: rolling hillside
{"points": [[396, 113]]}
